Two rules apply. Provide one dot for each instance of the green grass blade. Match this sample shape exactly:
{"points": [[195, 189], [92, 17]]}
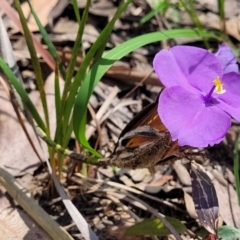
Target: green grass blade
{"points": [[68, 134], [22, 93], [236, 167], [222, 16], [61, 127], [35, 62], [75, 52], [71, 154], [76, 11], [98, 70], [221, 9], [58, 104], [190, 9], [47, 40], [57, 96], [68, 81], [162, 7], [81, 74], [122, 7], [84, 141]]}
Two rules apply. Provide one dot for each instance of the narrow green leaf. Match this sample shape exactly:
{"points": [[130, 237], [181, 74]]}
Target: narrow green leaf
{"points": [[228, 233], [82, 70], [122, 7], [162, 7], [70, 87], [236, 168], [57, 96], [192, 13], [75, 50], [47, 40], [154, 227], [222, 16], [68, 134], [76, 11], [103, 64], [84, 141], [22, 93], [35, 62]]}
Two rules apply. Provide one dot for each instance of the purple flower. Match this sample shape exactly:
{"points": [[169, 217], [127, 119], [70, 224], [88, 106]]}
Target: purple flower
{"points": [[202, 92], [227, 59]]}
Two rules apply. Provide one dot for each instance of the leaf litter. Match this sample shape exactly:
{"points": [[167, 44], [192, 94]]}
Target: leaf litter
{"points": [[106, 200]]}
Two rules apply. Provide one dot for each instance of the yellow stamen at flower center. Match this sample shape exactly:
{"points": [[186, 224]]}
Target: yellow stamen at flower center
{"points": [[218, 86]]}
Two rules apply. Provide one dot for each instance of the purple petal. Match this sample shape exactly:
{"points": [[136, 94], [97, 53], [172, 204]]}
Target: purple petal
{"points": [[166, 67], [189, 121], [230, 100], [227, 58], [188, 67]]}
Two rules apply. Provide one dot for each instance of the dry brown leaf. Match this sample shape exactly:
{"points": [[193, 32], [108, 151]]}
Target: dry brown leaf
{"points": [[228, 204], [57, 10], [190, 205], [66, 30], [139, 174], [182, 173], [127, 181], [66, 26], [16, 224], [103, 8], [4, 201], [217, 173], [232, 26], [81, 3], [119, 71], [161, 181], [132, 75], [16, 153], [42, 9], [231, 8], [156, 186], [11, 13]]}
